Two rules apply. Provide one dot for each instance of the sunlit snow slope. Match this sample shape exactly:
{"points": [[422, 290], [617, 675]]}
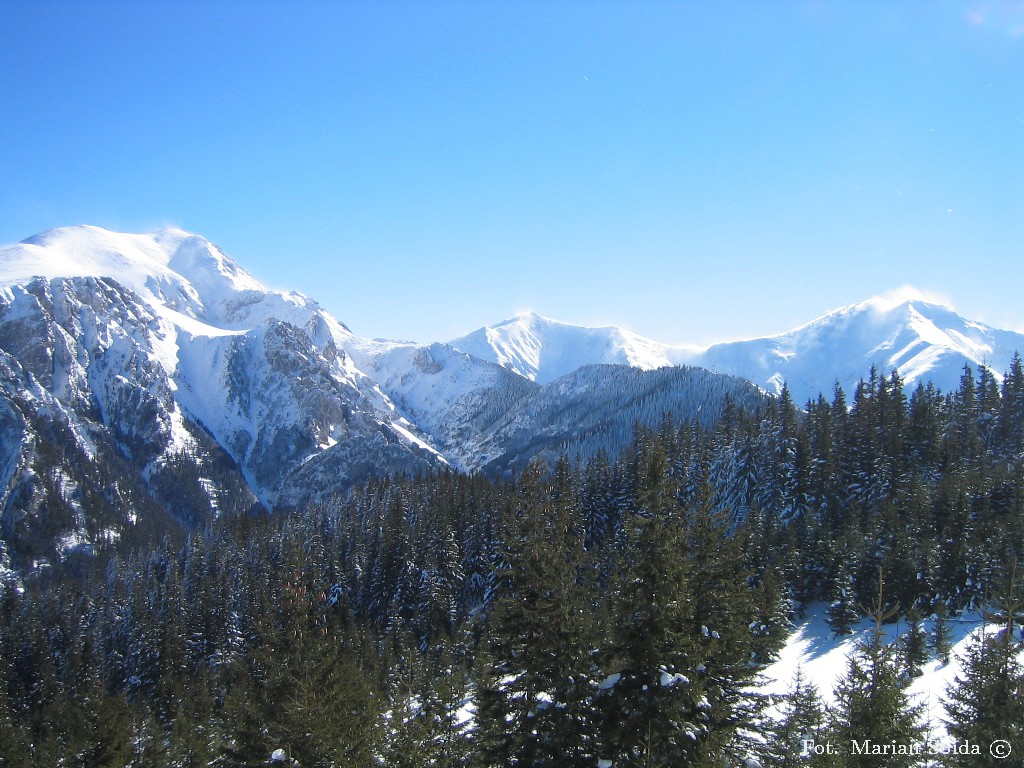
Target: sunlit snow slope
{"points": [[543, 350], [925, 342]]}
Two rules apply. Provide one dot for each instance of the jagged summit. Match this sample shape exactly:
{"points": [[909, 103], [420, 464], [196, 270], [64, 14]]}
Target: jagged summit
{"points": [[170, 337]]}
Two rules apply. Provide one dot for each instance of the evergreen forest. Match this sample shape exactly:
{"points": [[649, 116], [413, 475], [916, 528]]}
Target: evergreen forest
{"points": [[607, 613]]}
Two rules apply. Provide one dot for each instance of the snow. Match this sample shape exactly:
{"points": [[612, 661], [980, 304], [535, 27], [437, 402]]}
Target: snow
{"points": [[905, 330], [180, 303], [404, 431], [542, 350], [610, 682], [823, 660], [73, 541], [669, 680], [181, 276], [433, 387], [924, 341]]}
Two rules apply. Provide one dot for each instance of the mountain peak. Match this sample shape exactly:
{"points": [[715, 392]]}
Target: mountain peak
{"points": [[542, 349], [907, 330], [529, 318], [918, 335], [168, 268], [903, 297]]}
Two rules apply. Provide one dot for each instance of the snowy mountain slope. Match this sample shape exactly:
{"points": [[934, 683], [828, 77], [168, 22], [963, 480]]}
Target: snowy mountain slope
{"points": [[155, 338], [485, 417], [452, 396], [597, 407], [543, 350], [91, 440], [924, 341]]}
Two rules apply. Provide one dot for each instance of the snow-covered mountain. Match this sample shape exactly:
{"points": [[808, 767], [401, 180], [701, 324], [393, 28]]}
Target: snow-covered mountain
{"points": [[153, 367], [924, 341], [159, 355], [149, 374], [482, 416], [542, 349]]}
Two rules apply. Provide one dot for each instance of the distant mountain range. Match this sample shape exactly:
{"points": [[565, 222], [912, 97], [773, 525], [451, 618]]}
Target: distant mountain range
{"points": [[925, 342], [149, 375]]}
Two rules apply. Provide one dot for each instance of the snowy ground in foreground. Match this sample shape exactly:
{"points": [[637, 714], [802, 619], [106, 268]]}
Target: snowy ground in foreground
{"points": [[823, 658]]}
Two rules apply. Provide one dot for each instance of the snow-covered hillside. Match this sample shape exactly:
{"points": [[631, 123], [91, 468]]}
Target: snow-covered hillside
{"points": [[823, 660], [451, 395]]}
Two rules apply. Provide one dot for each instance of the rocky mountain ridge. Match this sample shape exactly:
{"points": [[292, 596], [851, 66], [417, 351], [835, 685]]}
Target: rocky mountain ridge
{"points": [[150, 380]]}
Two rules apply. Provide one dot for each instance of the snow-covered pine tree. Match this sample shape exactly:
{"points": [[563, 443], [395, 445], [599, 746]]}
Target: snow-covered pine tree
{"points": [[842, 611], [649, 699]]}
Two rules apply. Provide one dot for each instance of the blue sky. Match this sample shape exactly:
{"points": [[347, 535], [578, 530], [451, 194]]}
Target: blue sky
{"points": [[692, 171]]}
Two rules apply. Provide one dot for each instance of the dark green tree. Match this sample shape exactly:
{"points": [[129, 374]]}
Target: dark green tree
{"points": [[798, 728], [532, 708], [872, 705], [941, 634], [914, 643], [985, 704], [651, 697]]}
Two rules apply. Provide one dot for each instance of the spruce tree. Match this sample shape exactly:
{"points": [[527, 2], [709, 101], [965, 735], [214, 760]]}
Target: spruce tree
{"points": [[532, 707], [941, 634], [651, 695], [425, 726], [914, 643], [331, 712], [727, 626], [872, 705], [842, 612], [681, 645], [799, 727], [985, 704], [192, 743]]}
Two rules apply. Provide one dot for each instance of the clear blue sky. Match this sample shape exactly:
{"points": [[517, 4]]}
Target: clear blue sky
{"points": [[694, 171]]}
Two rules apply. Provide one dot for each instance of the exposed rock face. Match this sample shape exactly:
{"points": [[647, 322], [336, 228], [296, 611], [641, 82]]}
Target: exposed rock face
{"points": [[140, 391]]}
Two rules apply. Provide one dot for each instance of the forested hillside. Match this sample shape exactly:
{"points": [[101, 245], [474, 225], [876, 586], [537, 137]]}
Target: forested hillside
{"points": [[612, 613]]}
